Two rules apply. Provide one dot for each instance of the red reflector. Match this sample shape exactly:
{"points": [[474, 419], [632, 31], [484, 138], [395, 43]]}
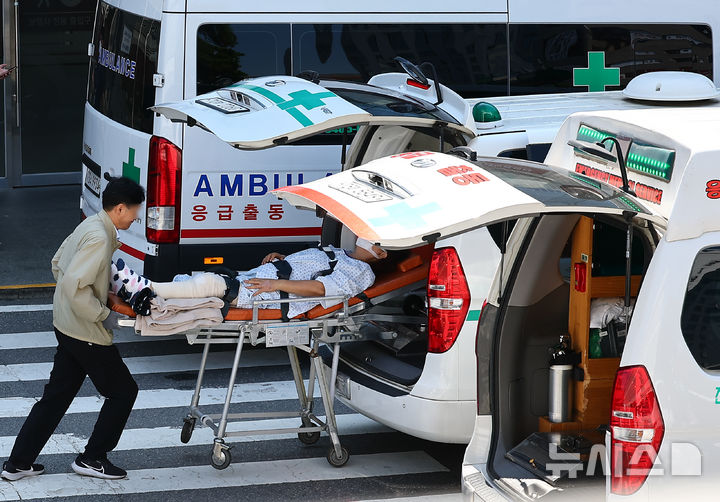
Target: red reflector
{"points": [[637, 429], [163, 191], [419, 85], [448, 299]]}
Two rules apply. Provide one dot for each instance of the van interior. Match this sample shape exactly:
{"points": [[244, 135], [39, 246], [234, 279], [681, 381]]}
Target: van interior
{"points": [[374, 142], [543, 304], [398, 357]]}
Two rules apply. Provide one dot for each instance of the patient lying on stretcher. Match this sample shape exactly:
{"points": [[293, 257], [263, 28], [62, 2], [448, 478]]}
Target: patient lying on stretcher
{"points": [[315, 272]]}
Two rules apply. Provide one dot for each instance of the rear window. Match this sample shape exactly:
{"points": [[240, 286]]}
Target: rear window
{"points": [[700, 319], [386, 105], [122, 67]]}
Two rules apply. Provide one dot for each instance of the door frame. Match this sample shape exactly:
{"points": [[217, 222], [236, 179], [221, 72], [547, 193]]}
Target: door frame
{"points": [[12, 135]]}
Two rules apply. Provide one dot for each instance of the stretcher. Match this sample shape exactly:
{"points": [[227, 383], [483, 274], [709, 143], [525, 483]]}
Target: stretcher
{"points": [[341, 323]]}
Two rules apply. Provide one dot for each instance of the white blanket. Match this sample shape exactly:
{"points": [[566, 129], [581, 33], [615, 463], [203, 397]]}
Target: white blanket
{"points": [[172, 316]]}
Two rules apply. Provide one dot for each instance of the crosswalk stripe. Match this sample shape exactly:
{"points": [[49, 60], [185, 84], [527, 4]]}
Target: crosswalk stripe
{"points": [[165, 437], [449, 497], [25, 308], [156, 364], [167, 398], [43, 339], [236, 475]]}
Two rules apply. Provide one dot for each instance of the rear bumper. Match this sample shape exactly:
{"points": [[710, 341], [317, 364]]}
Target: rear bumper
{"points": [[476, 489], [433, 420]]}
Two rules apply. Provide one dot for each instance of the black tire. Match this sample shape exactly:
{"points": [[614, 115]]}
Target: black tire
{"points": [[336, 461], [308, 437], [187, 430], [225, 457]]}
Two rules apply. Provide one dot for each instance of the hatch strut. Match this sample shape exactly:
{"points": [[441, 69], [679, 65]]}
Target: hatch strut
{"points": [[343, 154], [628, 215], [503, 250]]}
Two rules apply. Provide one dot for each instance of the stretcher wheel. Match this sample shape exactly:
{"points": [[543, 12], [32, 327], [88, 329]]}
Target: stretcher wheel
{"points": [[308, 437], [221, 459], [187, 429], [336, 461]]}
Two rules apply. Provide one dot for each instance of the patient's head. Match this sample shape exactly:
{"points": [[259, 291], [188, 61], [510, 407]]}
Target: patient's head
{"points": [[368, 252]]}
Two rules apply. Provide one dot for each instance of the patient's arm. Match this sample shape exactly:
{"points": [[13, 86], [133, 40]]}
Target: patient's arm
{"points": [[299, 288]]}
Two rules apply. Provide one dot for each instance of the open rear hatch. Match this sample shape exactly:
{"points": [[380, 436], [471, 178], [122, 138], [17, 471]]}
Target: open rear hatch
{"points": [[263, 112], [408, 200]]}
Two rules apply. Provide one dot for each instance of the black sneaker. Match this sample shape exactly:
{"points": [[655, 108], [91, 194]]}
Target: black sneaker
{"points": [[101, 468], [12, 473]]}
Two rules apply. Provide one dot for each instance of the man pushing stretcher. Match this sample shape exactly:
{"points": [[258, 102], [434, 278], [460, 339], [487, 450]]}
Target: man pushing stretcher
{"points": [[315, 272]]}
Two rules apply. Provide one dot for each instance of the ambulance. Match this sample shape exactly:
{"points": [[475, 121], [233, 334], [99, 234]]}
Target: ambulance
{"points": [[642, 421], [573, 246], [209, 203]]}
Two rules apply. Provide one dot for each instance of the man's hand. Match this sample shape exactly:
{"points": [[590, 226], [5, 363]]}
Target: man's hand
{"points": [[111, 321], [262, 285], [271, 257]]}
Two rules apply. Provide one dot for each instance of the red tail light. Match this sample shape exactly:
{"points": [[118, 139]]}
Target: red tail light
{"points": [[448, 300], [163, 191], [637, 429]]}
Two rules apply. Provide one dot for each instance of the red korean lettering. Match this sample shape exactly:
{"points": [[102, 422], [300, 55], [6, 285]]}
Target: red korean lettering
{"points": [[712, 189], [225, 213], [453, 170], [276, 211], [410, 155], [250, 212], [199, 212], [470, 178]]}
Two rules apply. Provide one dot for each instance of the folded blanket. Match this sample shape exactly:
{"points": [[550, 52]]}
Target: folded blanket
{"points": [[172, 316]]}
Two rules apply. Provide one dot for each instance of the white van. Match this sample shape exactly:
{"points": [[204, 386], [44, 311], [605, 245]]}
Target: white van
{"points": [[643, 423], [209, 204]]}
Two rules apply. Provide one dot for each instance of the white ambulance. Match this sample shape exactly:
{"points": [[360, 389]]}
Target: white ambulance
{"points": [[562, 244], [643, 420], [209, 203]]}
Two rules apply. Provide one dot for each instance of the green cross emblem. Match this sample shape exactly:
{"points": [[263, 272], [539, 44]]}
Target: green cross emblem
{"points": [[304, 98], [130, 170], [402, 214], [596, 76]]}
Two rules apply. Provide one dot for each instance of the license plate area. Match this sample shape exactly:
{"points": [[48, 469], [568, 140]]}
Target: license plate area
{"points": [[283, 335], [92, 181]]}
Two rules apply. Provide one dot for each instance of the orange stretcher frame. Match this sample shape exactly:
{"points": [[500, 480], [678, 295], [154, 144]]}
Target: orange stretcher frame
{"points": [[410, 270], [332, 326]]}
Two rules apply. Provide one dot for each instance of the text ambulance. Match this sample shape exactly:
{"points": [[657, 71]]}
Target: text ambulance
{"points": [[209, 203]]}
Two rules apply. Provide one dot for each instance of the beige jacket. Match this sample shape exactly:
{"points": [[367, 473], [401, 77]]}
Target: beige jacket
{"points": [[81, 268]]}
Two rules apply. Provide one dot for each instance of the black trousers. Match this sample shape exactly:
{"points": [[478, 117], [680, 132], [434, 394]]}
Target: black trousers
{"points": [[74, 359]]}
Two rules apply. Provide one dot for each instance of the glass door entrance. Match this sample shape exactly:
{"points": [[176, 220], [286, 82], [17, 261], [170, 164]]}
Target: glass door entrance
{"points": [[50, 46]]}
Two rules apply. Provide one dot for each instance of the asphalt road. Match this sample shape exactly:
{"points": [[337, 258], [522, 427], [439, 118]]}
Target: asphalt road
{"points": [[384, 464]]}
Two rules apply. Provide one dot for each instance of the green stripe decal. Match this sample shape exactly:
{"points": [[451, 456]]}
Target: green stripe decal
{"points": [[297, 115], [473, 315], [303, 98]]}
